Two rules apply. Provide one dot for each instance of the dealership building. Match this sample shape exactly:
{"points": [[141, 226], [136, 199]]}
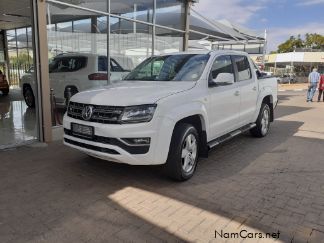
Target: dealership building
{"points": [[123, 32]]}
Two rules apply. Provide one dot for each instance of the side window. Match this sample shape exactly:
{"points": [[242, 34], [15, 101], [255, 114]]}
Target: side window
{"points": [[67, 64], [222, 65], [115, 67], [243, 68], [102, 64]]}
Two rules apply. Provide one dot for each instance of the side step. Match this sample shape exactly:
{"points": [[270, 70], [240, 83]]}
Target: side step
{"points": [[230, 135]]}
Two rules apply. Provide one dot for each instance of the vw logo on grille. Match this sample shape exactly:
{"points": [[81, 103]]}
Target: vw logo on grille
{"points": [[87, 112]]}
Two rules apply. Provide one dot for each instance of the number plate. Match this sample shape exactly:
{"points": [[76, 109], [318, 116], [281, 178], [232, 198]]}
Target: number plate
{"points": [[82, 130]]}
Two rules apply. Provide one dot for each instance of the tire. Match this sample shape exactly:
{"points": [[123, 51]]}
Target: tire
{"points": [[5, 92], [29, 97], [183, 157], [263, 122]]}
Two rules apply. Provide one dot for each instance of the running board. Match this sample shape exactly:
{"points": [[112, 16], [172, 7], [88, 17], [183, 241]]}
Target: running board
{"points": [[230, 135]]}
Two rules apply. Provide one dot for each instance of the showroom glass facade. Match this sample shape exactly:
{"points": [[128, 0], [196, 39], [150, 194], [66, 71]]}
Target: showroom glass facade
{"points": [[113, 36], [20, 53], [137, 29], [119, 34]]}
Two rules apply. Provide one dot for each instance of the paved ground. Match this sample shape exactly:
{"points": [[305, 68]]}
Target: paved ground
{"points": [[56, 194], [294, 87]]}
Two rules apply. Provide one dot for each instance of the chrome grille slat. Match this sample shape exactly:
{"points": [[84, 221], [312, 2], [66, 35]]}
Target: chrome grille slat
{"points": [[101, 114]]}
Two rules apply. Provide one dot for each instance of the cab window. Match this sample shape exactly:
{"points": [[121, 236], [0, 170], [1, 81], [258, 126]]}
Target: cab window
{"points": [[243, 68], [222, 66]]}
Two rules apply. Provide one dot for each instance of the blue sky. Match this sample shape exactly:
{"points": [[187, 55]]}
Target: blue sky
{"points": [[281, 18]]}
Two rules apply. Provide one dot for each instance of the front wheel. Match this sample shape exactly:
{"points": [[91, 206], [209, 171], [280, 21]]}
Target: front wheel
{"points": [[263, 122], [183, 153], [29, 97]]}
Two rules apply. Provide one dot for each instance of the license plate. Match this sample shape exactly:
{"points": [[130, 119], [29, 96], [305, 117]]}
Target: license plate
{"points": [[82, 130]]}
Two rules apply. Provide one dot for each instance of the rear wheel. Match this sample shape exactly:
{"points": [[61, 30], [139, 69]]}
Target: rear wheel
{"points": [[29, 97], [262, 123], [183, 153]]}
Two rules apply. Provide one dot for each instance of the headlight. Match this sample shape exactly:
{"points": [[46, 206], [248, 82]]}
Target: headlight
{"points": [[137, 114]]}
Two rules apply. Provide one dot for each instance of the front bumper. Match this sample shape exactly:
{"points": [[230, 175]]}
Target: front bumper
{"points": [[107, 143]]}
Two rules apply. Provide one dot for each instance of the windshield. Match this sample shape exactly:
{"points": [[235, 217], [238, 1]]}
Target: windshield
{"points": [[180, 67]]}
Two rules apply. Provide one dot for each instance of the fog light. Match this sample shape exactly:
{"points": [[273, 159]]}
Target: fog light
{"points": [[137, 141]]}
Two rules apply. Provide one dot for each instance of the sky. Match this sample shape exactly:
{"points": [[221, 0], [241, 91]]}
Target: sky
{"points": [[281, 18]]}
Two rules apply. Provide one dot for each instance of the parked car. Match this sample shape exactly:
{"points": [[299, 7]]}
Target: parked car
{"points": [[4, 85], [172, 109], [287, 78], [77, 71]]}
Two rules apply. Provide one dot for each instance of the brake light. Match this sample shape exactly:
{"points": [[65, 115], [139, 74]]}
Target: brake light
{"points": [[98, 76]]}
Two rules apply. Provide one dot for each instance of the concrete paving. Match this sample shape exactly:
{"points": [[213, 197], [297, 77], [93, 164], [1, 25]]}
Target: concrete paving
{"points": [[249, 186]]}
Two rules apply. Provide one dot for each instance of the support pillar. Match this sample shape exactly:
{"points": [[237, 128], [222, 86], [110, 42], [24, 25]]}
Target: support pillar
{"points": [[43, 105], [187, 25]]}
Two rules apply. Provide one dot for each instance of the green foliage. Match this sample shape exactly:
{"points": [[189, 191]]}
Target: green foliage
{"points": [[311, 41], [22, 59], [314, 41]]}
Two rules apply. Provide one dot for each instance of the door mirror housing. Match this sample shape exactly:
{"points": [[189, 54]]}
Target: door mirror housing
{"points": [[223, 79], [260, 74]]}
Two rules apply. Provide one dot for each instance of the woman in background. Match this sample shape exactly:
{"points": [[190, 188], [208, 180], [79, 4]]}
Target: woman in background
{"points": [[321, 88]]}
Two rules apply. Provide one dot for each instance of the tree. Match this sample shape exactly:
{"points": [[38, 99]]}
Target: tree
{"points": [[291, 44], [312, 41]]}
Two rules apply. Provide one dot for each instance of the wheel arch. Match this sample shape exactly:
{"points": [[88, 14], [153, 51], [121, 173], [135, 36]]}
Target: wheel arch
{"points": [[268, 99], [198, 121]]}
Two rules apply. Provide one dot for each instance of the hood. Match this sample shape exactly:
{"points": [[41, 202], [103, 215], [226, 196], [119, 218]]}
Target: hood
{"points": [[127, 93]]}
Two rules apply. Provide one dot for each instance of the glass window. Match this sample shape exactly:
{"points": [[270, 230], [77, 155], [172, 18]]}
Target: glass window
{"points": [[64, 27], [67, 64], [243, 68], [83, 26], [102, 64], [171, 13], [168, 41], [181, 67], [222, 64], [115, 67]]}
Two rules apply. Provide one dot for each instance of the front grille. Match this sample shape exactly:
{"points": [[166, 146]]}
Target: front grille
{"points": [[101, 113]]}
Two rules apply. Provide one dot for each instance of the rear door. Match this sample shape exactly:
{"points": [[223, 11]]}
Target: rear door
{"points": [[57, 70], [224, 100], [248, 88]]}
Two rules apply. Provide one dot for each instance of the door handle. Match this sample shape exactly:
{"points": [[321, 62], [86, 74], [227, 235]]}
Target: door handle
{"points": [[254, 88], [237, 93]]}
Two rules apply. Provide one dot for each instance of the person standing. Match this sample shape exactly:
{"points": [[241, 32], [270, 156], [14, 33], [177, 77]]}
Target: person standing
{"points": [[313, 79], [321, 88]]}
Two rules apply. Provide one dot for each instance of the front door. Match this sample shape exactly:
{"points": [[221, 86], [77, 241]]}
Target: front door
{"points": [[224, 99]]}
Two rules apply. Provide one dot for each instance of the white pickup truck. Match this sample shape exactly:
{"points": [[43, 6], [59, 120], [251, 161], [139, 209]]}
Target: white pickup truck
{"points": [[172, 109]]}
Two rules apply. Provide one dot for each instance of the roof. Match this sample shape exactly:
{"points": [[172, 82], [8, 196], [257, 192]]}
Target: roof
{"points": [[296, 57], [225, 52]]}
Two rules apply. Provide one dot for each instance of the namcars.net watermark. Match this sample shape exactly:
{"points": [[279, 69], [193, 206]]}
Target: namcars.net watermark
{"points": [[245, 234]]}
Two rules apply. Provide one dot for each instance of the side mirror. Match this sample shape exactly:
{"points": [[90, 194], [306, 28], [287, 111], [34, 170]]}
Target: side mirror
{"points": [[223, 79]]}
